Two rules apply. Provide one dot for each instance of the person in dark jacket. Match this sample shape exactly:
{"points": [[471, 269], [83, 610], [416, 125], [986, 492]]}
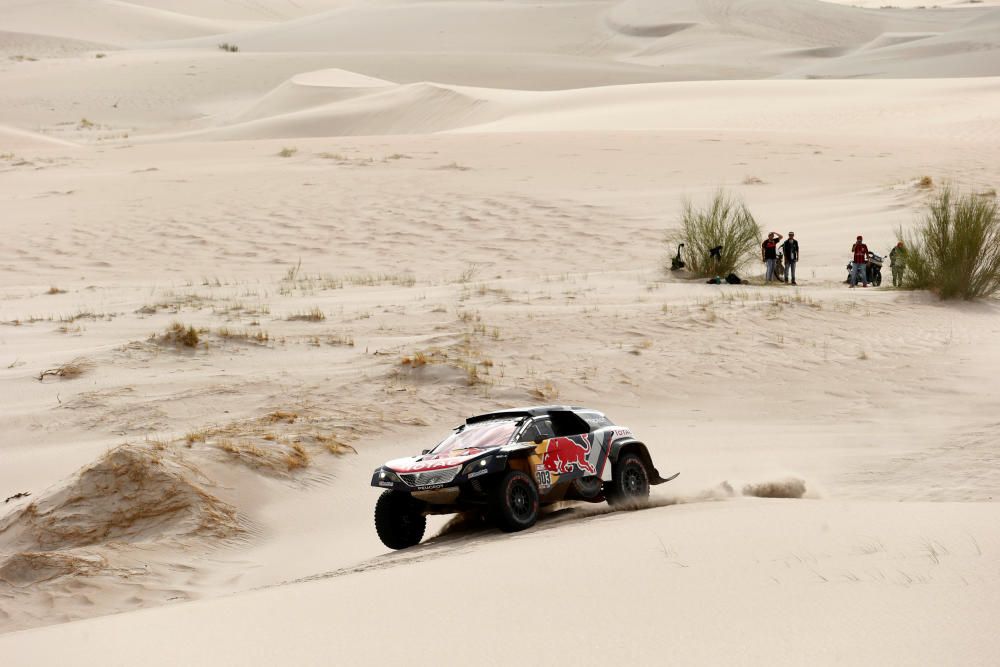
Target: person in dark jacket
{"points": [[860, 265], [790, 249], [769, 254]]}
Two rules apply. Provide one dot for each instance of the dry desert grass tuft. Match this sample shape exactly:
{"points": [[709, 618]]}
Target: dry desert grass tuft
{"points": [[69, 370], [275, 455], [311, 315], [544, 392], [258, 336], [180, 335]]}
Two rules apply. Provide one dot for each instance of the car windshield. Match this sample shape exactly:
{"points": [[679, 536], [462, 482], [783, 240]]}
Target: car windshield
{"points": [[477, 436]]}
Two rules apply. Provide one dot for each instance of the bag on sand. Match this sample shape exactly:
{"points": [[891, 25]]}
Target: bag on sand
{"points": [[733, 279]]}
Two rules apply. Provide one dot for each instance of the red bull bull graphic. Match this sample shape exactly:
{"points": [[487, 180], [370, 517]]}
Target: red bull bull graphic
{"points": [[570, 455]]}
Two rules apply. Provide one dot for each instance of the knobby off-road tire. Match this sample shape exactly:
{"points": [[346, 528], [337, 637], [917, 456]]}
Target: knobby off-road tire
{"points": [[514, 502], [398, 520], [629, 482]]}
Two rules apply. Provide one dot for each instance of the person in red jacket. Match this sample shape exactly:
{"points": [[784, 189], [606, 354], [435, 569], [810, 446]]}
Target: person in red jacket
{"points": [[860, 268]]}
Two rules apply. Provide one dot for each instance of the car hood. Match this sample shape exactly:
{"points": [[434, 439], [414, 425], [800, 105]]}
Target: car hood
{"points": [[437, 461]]}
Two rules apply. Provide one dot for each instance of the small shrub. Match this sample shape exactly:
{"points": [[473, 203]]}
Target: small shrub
{"points": [[69, 370], [228, 48], [101, 55], [288, 151], [725, 222], [925, 183], [955, 251], [86, 124], [55, 290], [178, 334]]}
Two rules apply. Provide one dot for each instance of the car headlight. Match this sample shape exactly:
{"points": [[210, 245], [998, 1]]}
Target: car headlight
{"points": [[387, 475], [479, 464]]}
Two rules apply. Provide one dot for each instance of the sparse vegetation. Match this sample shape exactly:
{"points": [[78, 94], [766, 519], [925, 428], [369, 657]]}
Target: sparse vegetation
{"points": [[69, 370], [955, 250], [544, 392], [184, 336], [725, 222], [56, 290], [925, 183], [311, 315], [277, 455], [228, 48], [417, 360], [258, 336], [288, 151], [85, 124]]}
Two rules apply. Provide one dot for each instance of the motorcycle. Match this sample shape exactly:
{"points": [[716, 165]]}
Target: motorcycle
{"points": [[873, 269]]}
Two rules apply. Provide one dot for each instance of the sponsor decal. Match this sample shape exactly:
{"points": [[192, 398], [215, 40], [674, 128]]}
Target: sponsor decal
{"points": [[623, 433], [430, 487], [385, 484], [565, 455], [417, 466], [478, 473]]}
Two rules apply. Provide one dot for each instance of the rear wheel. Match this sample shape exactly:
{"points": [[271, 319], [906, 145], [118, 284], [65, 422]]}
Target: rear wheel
{"points": [[629, 482], [514, 502], [398, 520]]}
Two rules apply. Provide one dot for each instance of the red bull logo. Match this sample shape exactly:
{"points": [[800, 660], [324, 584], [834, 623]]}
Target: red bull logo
{"points": [[566, 455]]}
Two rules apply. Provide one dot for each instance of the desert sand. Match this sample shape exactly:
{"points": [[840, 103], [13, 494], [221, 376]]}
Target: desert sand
{"points": [[489, 184]]}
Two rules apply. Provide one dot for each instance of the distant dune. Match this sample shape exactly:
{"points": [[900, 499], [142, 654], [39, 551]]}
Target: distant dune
{"points": [[253, 249]]}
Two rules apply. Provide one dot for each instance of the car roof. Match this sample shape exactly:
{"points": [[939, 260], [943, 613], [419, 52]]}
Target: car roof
{"points": [[531, 411]]}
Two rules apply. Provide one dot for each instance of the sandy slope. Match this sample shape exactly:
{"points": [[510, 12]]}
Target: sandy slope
{"points": [[488, 184]]}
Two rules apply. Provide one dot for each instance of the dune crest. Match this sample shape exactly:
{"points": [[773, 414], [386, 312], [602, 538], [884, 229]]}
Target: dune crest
{"points": [[132, 494]]}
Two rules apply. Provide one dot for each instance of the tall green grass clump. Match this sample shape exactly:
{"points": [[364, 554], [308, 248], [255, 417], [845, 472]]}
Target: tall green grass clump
{"points": [[955, 249], [725, 222]]}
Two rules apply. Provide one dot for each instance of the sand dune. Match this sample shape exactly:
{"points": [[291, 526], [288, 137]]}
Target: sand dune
{"points": [[220, 267], [15, 139]]}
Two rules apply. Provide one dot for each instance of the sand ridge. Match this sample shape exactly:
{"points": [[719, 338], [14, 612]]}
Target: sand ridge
{"points": [[220, 267]]}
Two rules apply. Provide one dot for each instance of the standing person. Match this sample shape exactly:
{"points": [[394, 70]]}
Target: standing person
{"points": [[769, 254], [897, 262], [860, 268], [790, 249]]}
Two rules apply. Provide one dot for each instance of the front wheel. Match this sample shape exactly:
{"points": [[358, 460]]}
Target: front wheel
{"points": [[398, 520], [629, 482], [514, 502]]}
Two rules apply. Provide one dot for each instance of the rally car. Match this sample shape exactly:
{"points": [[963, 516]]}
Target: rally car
{"points": [[506, 465]]}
